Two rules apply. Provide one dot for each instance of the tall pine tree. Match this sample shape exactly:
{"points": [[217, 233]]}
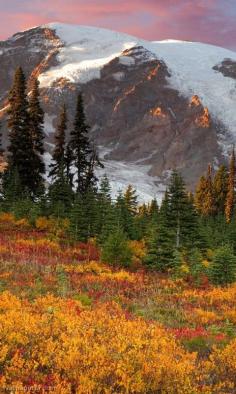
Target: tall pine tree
{"points": [[36, 122], [230, 198], [21, 157], [60, 191], [85, 157]]}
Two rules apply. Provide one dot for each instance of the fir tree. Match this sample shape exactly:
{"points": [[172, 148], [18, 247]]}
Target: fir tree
{"points": [[131, 200], [125, 217], [57, 167], [205, 197], [230, 198], [116, 249], [166, 235], [209, 203], [182, 216], [220, 187], [200, 195], [160, 240], [153, 209], [223, 267], [21, 156], [85, 157], [68, 164], [36, 122], [151, 259], [60, 191]]}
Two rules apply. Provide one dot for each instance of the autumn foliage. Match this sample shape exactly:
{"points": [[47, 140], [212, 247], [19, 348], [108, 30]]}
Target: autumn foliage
{"points": [[71, 324]]}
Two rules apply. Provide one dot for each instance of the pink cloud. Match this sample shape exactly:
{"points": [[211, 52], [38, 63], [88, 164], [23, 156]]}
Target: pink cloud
{"points": [[199, 20]]}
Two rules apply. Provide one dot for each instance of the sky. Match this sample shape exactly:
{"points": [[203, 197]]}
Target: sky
{"points": [[210, 21]]}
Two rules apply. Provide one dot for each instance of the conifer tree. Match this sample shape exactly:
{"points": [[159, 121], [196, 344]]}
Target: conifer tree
{"points": [[131, 200], [223, 268], [60, 191], [166, 234], [68, 164], [230, 198], [209, 203], [85, 157], [153, 209], [200, 195], [36, 122], [57, 167], [160, 239], [142, 220], [124, 216], [220, 186], [104, 207], [182, 216], [21, 157], [116, 249], [204, 197]]}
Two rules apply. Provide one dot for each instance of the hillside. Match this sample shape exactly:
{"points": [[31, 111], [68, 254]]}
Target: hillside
{"points": [[71, 323]]}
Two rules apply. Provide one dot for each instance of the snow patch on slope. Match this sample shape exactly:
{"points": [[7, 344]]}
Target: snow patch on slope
{"points": [[86, 50], [121, 175], [191, 67]]}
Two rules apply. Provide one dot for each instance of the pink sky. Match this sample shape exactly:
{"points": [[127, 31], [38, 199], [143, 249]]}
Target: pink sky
{"points": [[211, 21]]}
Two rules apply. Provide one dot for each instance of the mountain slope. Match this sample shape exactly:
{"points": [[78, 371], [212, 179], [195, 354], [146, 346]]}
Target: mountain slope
{"points": [[152, 105]]}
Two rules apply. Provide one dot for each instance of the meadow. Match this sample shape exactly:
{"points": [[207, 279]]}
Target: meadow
{"points": [[70, 323]]}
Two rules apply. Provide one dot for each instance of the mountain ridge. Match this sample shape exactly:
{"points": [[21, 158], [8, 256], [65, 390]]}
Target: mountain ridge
{"points": [[138, 98]]}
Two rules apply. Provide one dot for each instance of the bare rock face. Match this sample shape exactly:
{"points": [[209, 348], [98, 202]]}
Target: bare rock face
{"points": [[227, 68], [135, 114]]}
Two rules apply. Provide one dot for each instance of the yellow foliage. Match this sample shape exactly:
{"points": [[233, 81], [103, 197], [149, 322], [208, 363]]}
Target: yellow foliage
{"points": [[222, 369], [205, 317], [98, 351], [22, 223], [138, 249], [7, 218], [52, 225]]}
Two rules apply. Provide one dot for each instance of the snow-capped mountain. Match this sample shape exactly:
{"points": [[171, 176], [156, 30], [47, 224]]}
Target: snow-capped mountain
{"points": [[152, 106]]}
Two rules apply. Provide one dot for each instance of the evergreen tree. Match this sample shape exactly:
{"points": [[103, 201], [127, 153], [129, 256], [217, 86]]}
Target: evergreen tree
{"points": [[83, 216], [125, 217], [153, 209], [223, 268], [166, 235], [182, 217], [209, 203], [85, 157], [36, 122], [68, 164], [60, 191], [12, 188], [131, 200], [21, 156], [151, 259], [176, 263], [106, 218], [220, 186], [200, 195], [230, 198], [116, 249], [57, 167], [160, 240]]}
